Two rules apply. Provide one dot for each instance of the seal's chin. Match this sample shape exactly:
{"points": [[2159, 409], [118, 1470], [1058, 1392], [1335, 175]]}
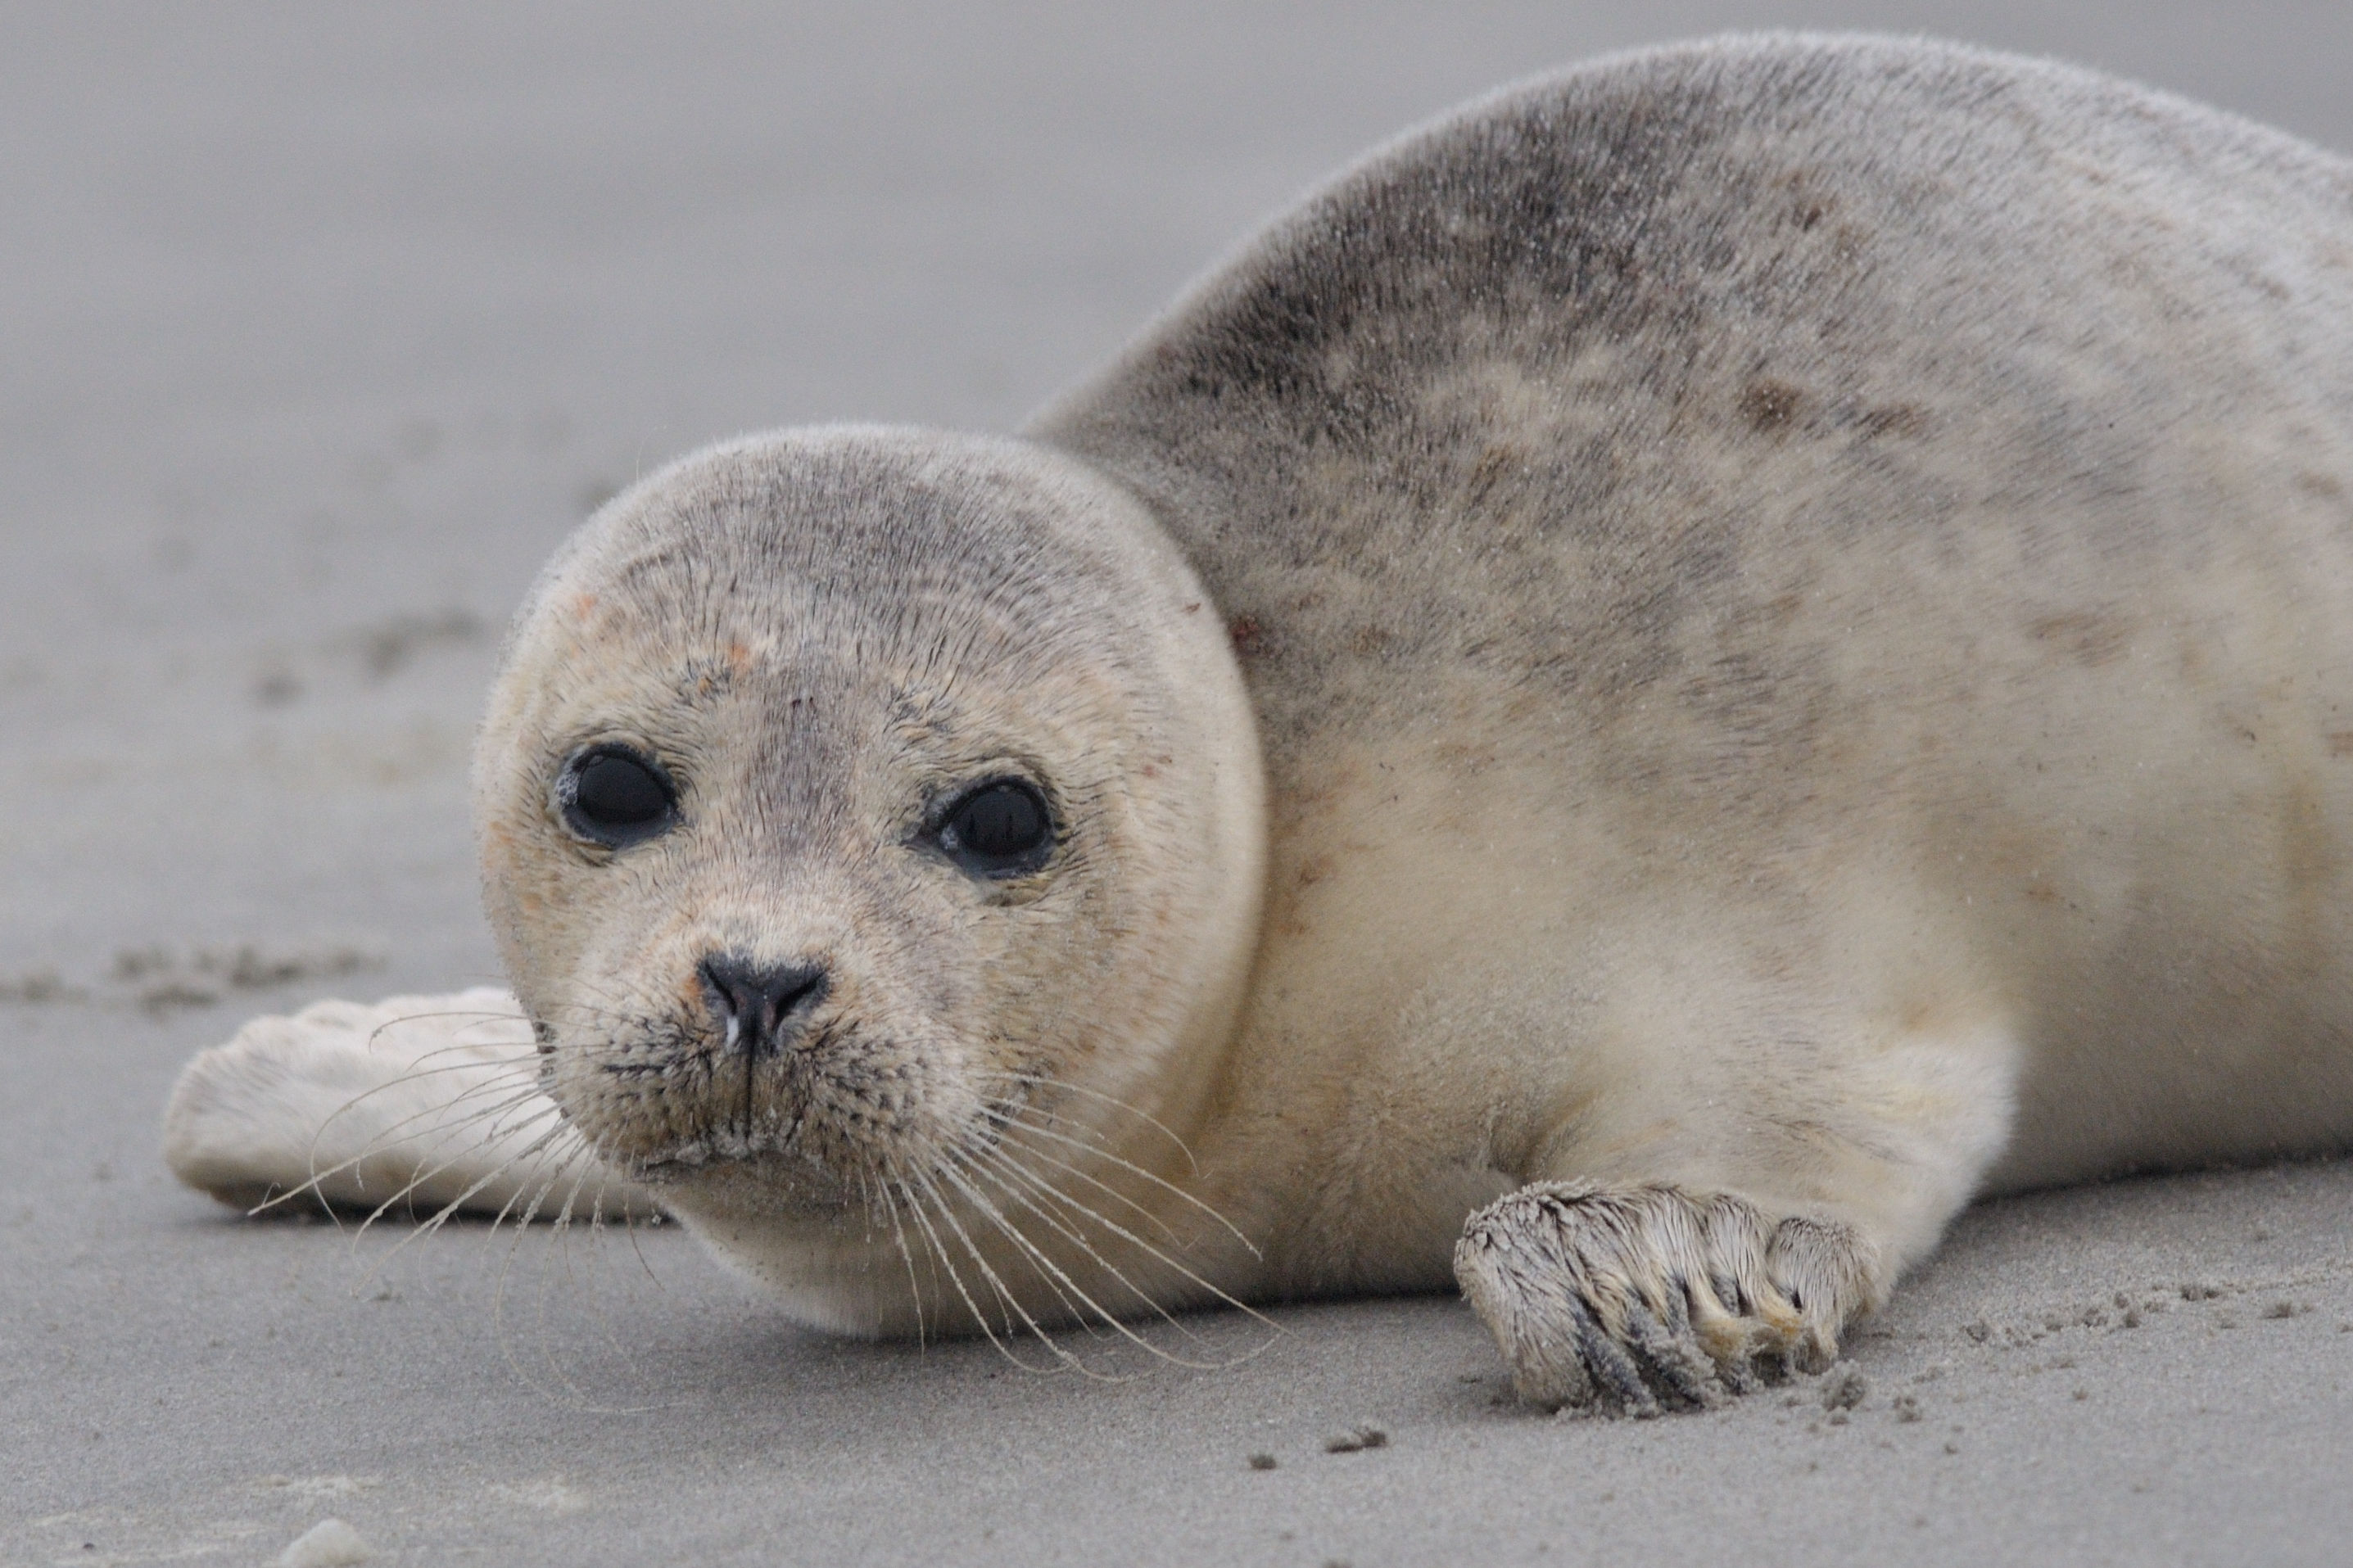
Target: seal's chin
{"points": [[724, 1170]]}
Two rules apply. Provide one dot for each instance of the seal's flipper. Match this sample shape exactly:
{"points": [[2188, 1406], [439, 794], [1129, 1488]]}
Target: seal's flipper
{"points": [[1671, 1256], [1617, 1298], [415, 1105]]}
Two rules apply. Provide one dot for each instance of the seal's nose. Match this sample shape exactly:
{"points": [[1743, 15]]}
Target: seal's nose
{"points": [[756, 1003]]}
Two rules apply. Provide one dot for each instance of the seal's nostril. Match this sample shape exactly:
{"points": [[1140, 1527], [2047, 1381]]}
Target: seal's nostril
{"points": [[756, 1002]]}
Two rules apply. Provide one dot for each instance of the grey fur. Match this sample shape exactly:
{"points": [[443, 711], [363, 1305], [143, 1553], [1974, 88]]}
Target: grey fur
{"points": [[1972, 329]]}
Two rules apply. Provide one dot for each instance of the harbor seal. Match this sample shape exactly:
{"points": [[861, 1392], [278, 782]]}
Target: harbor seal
{"points": [[1673, 676]]}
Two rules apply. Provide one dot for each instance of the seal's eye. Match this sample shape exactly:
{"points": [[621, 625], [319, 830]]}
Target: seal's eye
{"points": [[615, 797], [1001, 828]]}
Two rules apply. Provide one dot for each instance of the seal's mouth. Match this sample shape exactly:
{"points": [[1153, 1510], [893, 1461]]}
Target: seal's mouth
{"points": [[719, 1126], [788, 1181], [831, 1110], [802, 1150], [681, 1103], [722, 1146]]}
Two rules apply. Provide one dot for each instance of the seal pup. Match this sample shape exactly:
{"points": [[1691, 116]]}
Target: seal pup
{"points": [[1675, 675]]}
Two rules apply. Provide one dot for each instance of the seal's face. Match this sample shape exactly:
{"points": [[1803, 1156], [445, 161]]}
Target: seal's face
{"points": [[843, 794]]}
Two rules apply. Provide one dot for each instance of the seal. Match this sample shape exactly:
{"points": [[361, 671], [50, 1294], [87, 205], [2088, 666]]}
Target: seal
{"points": [[1675, 675]]}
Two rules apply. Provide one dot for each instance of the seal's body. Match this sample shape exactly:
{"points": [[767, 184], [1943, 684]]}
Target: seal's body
{"points": [[1690, 667]]}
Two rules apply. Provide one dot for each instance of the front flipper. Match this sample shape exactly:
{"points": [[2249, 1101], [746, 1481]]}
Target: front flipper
{"points": [[423, 1103], [1629, 1298]]}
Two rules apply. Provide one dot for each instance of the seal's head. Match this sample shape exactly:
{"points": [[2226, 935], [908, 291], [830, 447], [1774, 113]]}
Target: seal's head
{"points": [[846, 794]]}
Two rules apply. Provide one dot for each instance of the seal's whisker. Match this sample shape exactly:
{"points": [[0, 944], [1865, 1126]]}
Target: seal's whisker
{"points": [[993, 1160], [523, 1226], [898, 1231], [1113, 1101], [613, 1006], [558, 1239], [945, 1212], [520, 1087], [1006, 1298], [366, 1149], [560, 1243], [1025, 1187], [472, 1051], [612, 1010], [530, 1197], [1049, 1191], [899, 1235], [426, 1171], [960, 1170], [1112, 1319], [601, 1221], [1011, 1125], [441, 1217], [497, 1078], [939, 1254], [1089, 1178], [1076, 1303], [630, 1228], [449, 1210], [901, 1193], [479, 1015], [447, 1132]]}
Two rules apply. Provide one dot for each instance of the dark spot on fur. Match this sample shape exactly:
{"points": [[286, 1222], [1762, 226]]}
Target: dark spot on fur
{"points": [[1769, 406], [2092, 638], [1493, 474], [705, 679], [1454, 396], [2319, 485], [2341, 742], [1893, 419], [1807, 205]]}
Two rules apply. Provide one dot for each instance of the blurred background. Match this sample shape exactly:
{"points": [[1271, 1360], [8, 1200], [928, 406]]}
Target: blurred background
{"points": [[319, 327]]}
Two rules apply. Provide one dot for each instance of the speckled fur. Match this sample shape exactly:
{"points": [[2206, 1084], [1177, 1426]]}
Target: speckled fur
{"points": [[1797, 596]]}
